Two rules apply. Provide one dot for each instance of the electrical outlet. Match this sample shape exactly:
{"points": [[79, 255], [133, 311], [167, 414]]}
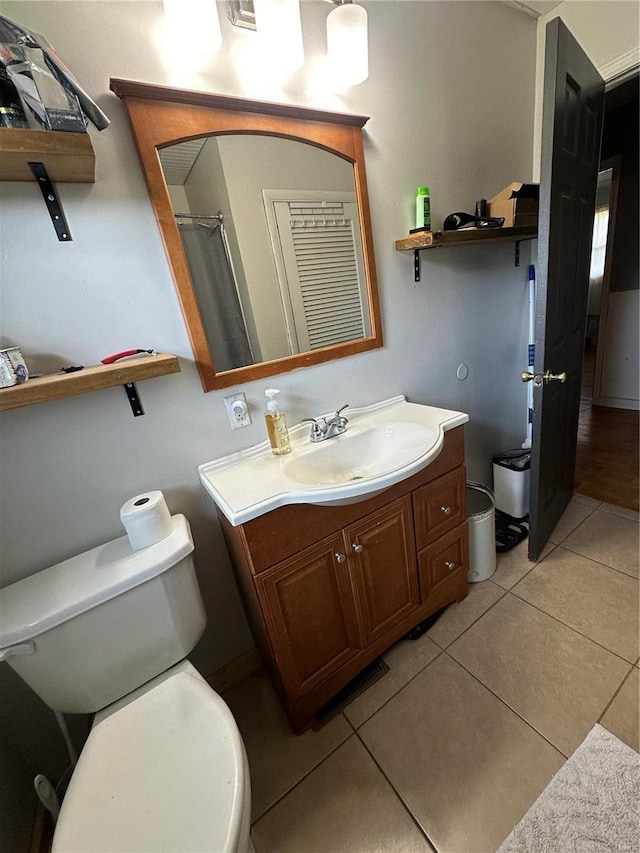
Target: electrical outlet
{"points": [[238, 411]]}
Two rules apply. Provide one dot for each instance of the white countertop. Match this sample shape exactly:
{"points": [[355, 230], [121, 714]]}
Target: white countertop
{"points": [[254, 481]]}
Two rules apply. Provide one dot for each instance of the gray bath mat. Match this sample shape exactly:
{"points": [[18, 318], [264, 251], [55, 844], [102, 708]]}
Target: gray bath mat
{"points": [[591, 805]]}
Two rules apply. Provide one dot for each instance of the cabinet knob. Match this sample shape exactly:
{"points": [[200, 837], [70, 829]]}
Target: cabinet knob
{"points": [[357, 549], [341, 558], [446, 510], [449, 565]]}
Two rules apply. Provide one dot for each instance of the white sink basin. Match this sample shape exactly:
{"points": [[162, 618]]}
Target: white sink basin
{"points": [[371, 452], [384, 444]]}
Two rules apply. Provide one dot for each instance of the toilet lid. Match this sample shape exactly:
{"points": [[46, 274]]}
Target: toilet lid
{"points": [[164, 772]]}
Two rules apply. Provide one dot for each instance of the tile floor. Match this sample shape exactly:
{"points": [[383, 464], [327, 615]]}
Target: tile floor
{"points": [[448, 750]]}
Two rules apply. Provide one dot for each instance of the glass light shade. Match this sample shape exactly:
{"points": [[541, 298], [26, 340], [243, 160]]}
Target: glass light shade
{"points": [[347, 43], [195, 24], [280, 31]]}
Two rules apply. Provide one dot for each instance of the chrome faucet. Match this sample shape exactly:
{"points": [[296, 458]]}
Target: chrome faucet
{"points": [[328, 427]]}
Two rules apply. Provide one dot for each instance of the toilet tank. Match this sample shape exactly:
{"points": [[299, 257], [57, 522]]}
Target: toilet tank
{"points": [[87, 631]]}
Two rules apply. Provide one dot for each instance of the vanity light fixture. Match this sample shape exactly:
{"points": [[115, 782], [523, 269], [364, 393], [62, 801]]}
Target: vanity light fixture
{"points": [[194, 24], [241, 14], [280, 31], [278, 26], [347, 42]]}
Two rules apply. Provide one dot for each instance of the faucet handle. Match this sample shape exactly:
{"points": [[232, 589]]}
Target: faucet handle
{"points": [[340, 410], [316, 429]]}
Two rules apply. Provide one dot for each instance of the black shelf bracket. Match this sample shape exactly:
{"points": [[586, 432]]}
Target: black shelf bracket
{"points": [[416, 264], [517, 251], [51, 200], [132, 396]]}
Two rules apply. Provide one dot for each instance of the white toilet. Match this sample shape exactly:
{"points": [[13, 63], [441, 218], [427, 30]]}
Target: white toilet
{"points": [[164, 767]]}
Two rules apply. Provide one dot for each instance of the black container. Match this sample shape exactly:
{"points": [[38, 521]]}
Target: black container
{"points": [[481, 208], [11, 112]]}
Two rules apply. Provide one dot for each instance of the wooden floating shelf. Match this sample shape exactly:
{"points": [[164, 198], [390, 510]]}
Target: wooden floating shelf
{"points": [[67, 156], [467, 236], [56, 386], [437, 239]]}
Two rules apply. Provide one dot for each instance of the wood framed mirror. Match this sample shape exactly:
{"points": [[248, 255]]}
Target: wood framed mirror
{"points": [[264, 215]]}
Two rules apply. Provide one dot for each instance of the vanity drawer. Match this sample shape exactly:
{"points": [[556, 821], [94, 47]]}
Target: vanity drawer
{"points": [[444, 559], [439, 506]]}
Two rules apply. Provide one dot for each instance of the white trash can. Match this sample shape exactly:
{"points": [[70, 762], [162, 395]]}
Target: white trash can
{"points": [[482, 532], [511, 471]]}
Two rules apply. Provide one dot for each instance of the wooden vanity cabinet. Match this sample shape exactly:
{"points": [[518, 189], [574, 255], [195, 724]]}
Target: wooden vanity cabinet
{"points": [[337, 597], [328, 589]]}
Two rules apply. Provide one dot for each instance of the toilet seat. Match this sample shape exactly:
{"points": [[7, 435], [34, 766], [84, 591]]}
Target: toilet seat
{"points": [[163, 769]]}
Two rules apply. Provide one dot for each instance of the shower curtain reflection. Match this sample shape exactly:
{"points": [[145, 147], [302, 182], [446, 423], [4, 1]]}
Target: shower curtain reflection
{"points": [[214, 282]]}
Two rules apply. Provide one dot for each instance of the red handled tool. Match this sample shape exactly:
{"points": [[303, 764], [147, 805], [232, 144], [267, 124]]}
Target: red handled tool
{"points": [[126, 354]]}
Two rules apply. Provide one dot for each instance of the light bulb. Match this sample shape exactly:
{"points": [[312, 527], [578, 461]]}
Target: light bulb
{"points": [[347, 43]]}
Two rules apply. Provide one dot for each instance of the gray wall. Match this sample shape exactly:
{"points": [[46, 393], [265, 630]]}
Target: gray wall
{"points": [[68, 466]]}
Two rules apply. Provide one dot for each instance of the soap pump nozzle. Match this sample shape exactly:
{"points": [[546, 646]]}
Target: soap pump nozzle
{"points": [[271, 395]]}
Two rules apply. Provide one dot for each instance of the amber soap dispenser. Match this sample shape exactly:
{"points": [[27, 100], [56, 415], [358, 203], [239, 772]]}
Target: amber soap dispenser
{"points": [[276, 425]]}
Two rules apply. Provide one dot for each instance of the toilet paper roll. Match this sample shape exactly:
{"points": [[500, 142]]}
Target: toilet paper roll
{"points": [[147, 519]]}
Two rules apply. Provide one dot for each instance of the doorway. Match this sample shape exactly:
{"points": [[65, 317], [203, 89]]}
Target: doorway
{"points": [[608, 431]]}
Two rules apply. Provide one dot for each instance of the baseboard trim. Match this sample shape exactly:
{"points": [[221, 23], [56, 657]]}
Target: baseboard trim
{"points": [[235, 671], [616, 403]]}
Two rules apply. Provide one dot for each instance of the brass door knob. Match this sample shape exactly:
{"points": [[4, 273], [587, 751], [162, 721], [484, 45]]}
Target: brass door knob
{"points": [[554, 377], [546, 378]]}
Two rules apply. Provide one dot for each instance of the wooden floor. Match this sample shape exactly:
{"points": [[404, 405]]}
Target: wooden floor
{"points": [[608, 442]]}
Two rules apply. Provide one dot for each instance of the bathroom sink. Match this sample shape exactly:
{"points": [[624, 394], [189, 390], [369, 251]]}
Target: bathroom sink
{"points": [[384, 444], [355, 456]]}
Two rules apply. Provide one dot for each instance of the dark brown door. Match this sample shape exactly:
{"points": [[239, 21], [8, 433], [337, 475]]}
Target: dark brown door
{"points": [[571, 132]]}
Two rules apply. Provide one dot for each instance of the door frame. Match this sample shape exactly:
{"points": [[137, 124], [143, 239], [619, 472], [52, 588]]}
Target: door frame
{"points": [[615, 164]]}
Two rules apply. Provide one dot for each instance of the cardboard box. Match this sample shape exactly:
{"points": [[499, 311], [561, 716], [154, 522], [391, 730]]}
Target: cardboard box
{"points": [[518, 203]]}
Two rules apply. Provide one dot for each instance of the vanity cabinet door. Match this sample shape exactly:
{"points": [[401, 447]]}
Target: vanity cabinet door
{"points": [[382, 552], [309, 610]]}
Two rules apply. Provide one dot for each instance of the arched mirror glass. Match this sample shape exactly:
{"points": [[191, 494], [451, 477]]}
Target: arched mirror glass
{"points": [[265, 220]]}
